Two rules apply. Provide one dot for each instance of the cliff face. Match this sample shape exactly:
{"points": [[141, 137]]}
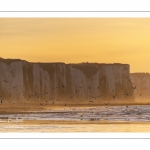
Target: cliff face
{"points": [[141, 83], [21, 81]]}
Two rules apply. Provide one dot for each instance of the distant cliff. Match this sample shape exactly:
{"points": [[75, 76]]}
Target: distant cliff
{"points": [[21, 81], [141, 83]]}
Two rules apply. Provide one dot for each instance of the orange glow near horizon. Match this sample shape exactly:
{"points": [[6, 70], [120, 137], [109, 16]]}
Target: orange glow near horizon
{"points": [[75, 40]]}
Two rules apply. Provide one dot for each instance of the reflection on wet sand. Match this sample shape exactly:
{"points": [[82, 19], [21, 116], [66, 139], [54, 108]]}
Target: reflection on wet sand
{"points": [[74, 127]]}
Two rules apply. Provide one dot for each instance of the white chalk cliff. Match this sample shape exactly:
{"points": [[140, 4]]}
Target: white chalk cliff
{"points": [[141, 84], [21, 81]]}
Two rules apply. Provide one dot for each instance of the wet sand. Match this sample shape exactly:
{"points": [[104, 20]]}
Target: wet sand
{"points": [[74, 118], [60, 127]]}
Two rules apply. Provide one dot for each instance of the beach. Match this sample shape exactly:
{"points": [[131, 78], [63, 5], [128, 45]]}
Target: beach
{"points": [[73, 118]]}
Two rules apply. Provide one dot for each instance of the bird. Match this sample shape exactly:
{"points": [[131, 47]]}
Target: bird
{"points": [[41, 104], [77, 91], [127, 94], [134, 87], [52, 98], [30, 96], [80, 87], [5, 81], [106, 103], [114, 97], [14, 86]]}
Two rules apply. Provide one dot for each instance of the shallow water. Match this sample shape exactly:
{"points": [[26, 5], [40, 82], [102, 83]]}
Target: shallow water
{"points": [[79, 119], [109, 113]]}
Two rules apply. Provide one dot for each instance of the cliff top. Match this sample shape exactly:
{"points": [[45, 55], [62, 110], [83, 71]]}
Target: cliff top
{"points": [[10, 60]]}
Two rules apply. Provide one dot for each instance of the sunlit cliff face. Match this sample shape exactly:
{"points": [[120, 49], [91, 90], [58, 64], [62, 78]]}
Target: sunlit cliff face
{"points": [[74, 40], [21, 81]]}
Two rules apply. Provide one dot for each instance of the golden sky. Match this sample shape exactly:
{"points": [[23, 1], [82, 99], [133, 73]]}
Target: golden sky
{"points": [[74, 40]]}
